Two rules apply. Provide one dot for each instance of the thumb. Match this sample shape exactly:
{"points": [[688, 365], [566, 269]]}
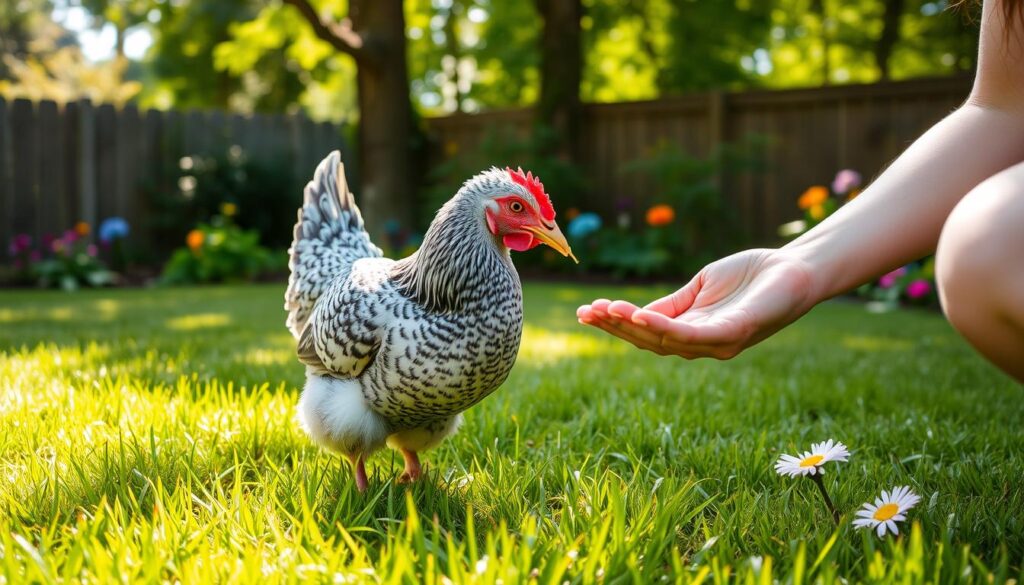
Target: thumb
{"points": [[681, 300]]}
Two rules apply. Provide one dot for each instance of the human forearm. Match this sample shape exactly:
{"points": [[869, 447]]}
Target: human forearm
{"points": [[898, 218]]}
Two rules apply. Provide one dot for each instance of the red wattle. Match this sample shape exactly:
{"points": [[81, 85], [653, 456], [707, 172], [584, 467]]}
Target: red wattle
{"points": [[518, 241]]}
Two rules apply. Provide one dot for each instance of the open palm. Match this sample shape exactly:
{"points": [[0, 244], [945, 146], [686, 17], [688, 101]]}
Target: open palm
{"points": [[728, 306]]}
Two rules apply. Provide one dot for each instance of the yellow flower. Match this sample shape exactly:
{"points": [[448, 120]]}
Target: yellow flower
{"points": [[229, 209], [660, 215], [82, 228], [816, 195], [451, 148], [194, 240], [817, 212]]}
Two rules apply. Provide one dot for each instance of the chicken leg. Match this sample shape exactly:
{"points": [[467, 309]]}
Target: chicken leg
{"points": [[413, 469], [359, 471]]}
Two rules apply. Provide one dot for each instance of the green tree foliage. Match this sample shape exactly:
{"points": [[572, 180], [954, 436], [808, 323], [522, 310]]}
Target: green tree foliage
{"points": [[930, 40], [468, 55], [278, 35], [183, 66], [21, 21], [40, 61]]}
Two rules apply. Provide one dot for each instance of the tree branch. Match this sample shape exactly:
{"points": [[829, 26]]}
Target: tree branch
{"points": [[338, 33]]}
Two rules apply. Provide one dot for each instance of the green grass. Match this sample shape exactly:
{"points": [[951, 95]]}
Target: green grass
{"points": [[150, 436]]}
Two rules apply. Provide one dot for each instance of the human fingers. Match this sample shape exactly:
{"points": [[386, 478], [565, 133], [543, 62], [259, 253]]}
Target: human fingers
{"points": [[679, 301], [733, 328], [614, 328], [622, 309]]}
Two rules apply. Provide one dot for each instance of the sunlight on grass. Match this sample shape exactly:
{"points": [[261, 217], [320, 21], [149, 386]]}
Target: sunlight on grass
{"points": [[542, 345], [163, 447], [198, 321]]}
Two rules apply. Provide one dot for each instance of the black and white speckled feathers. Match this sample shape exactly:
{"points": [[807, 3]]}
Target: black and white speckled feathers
{"points": [[425, 337]]}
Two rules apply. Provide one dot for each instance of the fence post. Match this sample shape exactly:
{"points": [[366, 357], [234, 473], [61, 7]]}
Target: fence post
{"points": [[716, 131], [6, 189], [25, 167], [87, 160]]}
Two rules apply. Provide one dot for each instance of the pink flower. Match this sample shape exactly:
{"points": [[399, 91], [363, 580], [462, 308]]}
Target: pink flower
{"points": [[35, 255], [919, 288], [91, 250], [846, 180], [890, 279]]}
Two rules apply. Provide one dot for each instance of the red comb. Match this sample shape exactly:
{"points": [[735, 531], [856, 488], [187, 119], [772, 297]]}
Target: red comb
{"points": [[536, 188]]}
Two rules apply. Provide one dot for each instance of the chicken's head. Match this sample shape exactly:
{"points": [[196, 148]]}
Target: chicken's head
{"points": [[519, 213]]}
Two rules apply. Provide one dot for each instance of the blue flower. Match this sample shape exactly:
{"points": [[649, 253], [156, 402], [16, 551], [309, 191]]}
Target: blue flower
{"points": [[583, 225], [113, 228]]}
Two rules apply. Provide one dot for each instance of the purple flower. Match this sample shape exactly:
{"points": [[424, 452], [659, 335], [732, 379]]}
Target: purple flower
{"points": [[890, 279], [846, 180], [35, 255], [19, 244], [91, 250], [919, 288]]}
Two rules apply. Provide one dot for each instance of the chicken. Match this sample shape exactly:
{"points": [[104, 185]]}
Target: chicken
{"points": [[395, 351]]}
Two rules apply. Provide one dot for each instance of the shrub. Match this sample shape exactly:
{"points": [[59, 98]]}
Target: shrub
{"points": [[264, 192], [218, 251], [68, 262]]}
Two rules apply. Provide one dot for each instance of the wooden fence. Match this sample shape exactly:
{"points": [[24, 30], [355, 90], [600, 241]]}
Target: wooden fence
{"points": [[80, 162], [85, 162], [811, 134]]}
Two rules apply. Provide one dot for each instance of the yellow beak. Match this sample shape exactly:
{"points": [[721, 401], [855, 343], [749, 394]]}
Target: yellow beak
{"points": [[553, 237]]}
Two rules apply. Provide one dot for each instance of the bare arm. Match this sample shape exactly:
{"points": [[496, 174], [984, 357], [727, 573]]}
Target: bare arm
{"points": [[898, 218], [738, 301]]}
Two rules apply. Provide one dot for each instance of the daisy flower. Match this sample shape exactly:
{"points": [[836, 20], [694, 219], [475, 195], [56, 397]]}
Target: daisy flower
{"points": [[811, 462], [887, 511]]}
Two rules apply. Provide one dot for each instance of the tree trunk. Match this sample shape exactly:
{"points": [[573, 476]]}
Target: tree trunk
{"points": [[889, 37], [559, 109], [386, 132], [374, 35]]}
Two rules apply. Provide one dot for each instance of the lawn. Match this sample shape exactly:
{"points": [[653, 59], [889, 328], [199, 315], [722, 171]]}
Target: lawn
{"points": [[149, 436]]}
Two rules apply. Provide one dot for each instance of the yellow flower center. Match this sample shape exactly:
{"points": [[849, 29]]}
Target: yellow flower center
{"points": [[886, 512], [812, 461]]}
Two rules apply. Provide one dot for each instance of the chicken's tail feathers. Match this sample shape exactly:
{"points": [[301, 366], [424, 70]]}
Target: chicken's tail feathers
{"points": [[329, 236]]}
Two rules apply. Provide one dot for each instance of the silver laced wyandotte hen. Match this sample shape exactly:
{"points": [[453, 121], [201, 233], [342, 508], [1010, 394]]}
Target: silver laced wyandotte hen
{"points": [[395, 351]]}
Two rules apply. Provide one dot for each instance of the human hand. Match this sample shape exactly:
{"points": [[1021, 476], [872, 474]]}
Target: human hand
{"points": [[729, 306]]}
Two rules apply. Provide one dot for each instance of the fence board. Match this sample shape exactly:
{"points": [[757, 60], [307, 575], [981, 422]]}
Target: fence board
{"points": [[128, 165], [813, 133], [53, 217], [6, 185], [26, 167], [89, 162]]}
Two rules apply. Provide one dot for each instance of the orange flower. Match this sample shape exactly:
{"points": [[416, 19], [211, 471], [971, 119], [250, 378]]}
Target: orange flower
{"points": [[817, 212], [853, 194], [816, 195], [82, 228], [194, 239], [660, 215], [571, 213]]}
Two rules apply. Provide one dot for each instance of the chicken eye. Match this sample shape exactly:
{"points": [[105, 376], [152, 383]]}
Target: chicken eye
{"points": [[516, 207]]}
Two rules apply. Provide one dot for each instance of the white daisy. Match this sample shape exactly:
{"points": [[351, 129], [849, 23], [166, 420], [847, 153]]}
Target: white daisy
{"points": [[811, 462], [887, 510]]}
